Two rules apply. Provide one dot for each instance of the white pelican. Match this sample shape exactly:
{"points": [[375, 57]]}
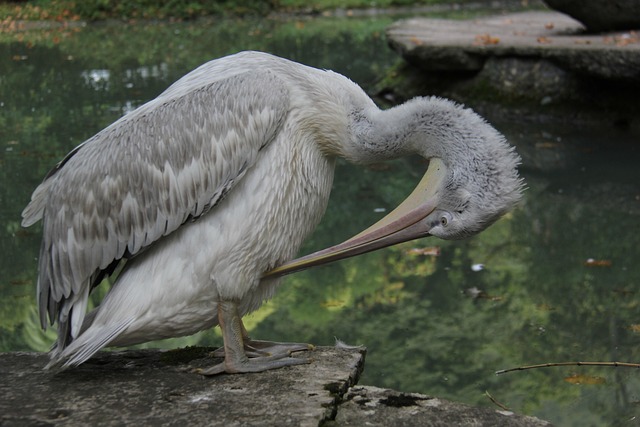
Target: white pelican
{"points": [[209, 189]]}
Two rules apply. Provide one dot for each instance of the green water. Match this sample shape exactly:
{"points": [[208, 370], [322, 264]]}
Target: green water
{"points": [[523, 292]]}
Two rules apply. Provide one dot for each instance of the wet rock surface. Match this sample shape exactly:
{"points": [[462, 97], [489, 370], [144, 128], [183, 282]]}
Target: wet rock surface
{"points": [[599, 15], [154, 387]]}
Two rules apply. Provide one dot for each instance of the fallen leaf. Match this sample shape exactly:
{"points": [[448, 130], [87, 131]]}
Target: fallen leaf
{"points": [[334, 304], [547, 144], [549, 25], [543, 40], [394, 286], [597, 263], [625, 39], [585, 379], [485, 39]]}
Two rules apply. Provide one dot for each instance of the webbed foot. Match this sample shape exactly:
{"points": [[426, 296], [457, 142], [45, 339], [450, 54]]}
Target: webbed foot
{"points": [[259, 348], [242, 354], [254, 364]]}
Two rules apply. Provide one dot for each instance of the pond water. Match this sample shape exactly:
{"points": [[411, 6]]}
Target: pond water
{"points": [[554, 281]]}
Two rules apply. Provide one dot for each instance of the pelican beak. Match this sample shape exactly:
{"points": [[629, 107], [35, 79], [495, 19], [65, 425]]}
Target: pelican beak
{"points": [[404, 223]]}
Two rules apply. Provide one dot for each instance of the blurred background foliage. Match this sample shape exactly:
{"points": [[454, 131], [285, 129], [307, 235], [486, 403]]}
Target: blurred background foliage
{"points": [[92, 10]]}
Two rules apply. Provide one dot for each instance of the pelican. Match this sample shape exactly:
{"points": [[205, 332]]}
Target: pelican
{"points": [[207, 192]]}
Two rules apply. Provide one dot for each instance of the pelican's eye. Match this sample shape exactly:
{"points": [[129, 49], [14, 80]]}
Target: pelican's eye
{"points": [[445, 219]]}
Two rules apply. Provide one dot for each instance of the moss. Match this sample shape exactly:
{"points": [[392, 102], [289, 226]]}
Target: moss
{"points": [[404, 81]]}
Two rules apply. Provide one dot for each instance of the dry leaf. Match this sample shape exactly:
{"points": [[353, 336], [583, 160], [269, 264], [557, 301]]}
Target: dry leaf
{"points": [[585, 379], [547, 144], [597, 263], [485, 39], [394, 286], [631, 37], [334, 303], [543, 40]]}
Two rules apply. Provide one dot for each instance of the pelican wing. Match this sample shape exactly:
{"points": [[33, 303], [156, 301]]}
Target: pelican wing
{"points": [[141, 178]]}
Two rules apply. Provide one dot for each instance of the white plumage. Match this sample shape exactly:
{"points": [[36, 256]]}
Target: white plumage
{"points": [[219, 180]]}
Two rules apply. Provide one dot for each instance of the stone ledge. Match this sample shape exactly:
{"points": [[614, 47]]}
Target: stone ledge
{"points": [[443, 44], [372, 406], [535, 65], [155, 387]]}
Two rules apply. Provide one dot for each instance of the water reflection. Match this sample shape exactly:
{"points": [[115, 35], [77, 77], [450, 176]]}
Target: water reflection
{"points": [[431, 321]]}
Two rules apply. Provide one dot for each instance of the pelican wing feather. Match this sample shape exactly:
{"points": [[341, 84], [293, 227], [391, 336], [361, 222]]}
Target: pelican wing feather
{"points": [[171, 160]]}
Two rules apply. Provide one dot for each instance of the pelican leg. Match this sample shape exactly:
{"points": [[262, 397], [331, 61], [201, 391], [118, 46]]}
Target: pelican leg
{"points": [[235, 355], [258, 348]]}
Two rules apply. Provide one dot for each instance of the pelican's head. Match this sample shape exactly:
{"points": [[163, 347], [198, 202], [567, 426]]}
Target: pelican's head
{"points": [[471, 181]]}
